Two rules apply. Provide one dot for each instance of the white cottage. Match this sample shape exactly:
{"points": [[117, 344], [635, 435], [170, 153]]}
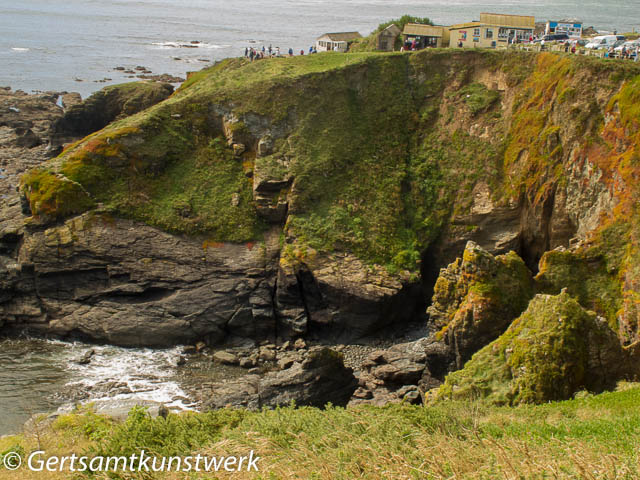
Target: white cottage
{"points": [[336, 42]]}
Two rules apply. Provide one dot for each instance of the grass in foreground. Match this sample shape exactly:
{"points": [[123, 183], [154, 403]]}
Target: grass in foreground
{"points": [[594, 437]]}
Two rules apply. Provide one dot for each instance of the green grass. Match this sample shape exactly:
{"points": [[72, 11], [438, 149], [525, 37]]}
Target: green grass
{"points": [[478, 97], [597, 435]]}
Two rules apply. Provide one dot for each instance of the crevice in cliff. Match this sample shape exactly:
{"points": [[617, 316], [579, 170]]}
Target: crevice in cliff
{"points": [[535, 238], [274, 305], [153, 294], [429, 272]]}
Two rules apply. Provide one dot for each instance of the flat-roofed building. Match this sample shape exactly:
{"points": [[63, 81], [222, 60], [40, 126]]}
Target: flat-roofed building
{"points": [[336, 42], [492, 30], [573, 28], [425, 36]]}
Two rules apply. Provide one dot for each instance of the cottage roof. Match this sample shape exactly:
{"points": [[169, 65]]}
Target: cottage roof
{"points": [[392, 29], [423, 30], [465, 25], [341, 36], [504, 20]]}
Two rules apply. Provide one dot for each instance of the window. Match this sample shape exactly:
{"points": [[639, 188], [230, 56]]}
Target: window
{"points": [[503, 33], [488, 33], [476, 32]]}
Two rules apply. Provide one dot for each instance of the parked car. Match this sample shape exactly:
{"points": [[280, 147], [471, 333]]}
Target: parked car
{"points": [[578, 42], [555, 37], [604, 41]]}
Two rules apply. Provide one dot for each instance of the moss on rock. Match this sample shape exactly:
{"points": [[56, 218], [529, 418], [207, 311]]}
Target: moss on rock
{"points": [[477, 297], [554, 349], [585, 275], [52, 197]]}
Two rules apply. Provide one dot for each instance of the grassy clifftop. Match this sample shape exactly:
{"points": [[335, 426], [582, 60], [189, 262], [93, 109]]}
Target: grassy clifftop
{"points": [[372, 153], [590, 437]]}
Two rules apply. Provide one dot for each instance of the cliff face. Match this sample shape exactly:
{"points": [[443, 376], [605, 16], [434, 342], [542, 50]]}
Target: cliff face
{"points": [[321, 195]]}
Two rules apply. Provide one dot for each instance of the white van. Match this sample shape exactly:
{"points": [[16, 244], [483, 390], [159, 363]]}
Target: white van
{"points": [[604, 41]]}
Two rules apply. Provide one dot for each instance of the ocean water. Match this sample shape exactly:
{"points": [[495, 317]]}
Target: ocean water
{"points": [[72, 45], [45, 376]]}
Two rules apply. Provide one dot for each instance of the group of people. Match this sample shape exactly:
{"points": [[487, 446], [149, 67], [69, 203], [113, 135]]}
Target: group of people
{"points": [[625, 53], [258, 54]]}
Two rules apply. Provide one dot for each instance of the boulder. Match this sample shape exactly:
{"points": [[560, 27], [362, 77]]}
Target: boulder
{"points": [[86, 358], [226, 358], [322, 378], [387, 376]]}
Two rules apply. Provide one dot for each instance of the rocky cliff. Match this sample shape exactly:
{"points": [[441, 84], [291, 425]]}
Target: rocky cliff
{"points": [[321, 195]]}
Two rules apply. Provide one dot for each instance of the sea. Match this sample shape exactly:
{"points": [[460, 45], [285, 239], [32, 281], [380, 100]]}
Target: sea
{"points": [[77, 45]]}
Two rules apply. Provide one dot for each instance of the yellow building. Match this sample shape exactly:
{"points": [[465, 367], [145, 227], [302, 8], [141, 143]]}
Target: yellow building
{"points": [[424, 36], [492, 30]]}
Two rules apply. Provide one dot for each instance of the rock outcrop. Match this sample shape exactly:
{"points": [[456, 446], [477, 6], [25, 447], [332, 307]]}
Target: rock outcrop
{"points": [[103, 107], [555, 349], [319, 379], [120, 282], [476, 298]]}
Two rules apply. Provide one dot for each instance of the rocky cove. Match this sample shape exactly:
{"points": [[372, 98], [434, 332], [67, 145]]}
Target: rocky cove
{"points": [[467, 203]]}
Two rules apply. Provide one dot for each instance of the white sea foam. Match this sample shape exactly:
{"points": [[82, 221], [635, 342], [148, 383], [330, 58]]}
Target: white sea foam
{"points": [[20, 49], [177, 44], [119, 374]]}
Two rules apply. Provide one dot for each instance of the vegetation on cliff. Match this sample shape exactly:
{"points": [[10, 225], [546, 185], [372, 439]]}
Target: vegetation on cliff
{"points": [[553, 350], [367, 153]]}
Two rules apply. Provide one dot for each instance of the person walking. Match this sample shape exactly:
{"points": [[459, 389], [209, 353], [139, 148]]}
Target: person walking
{"points": [[277, 51], [246, 52], [290, 52]]}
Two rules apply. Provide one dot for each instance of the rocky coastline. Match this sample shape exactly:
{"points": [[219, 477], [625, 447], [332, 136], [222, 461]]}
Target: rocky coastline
{"points": [[308, 325]]}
